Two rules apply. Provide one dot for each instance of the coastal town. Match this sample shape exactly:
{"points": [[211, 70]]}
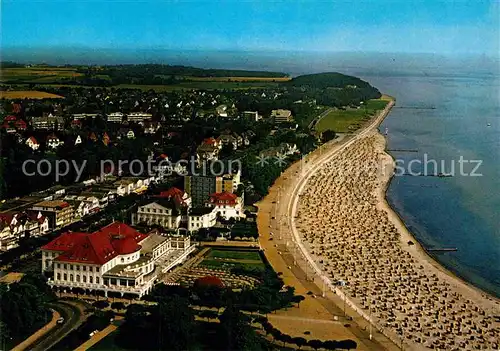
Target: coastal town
{"points": [[297, 230], [104, 231], [249, 175]]}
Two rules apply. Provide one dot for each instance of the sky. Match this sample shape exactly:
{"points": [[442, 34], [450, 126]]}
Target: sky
{"points": [[439, 27]]}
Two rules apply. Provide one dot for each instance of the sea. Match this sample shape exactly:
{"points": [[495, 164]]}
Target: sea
{"points": [[447, 110]]}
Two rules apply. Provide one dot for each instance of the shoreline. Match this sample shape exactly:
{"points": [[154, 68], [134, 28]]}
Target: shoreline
{"points": [[427, 264], [420, 252]]}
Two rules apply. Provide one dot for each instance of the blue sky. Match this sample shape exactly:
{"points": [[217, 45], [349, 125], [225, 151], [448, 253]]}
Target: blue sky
{"points": [[440, 27]]}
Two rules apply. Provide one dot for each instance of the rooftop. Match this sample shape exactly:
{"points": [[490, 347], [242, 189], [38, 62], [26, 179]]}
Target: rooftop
{"points": [[98, 247]]}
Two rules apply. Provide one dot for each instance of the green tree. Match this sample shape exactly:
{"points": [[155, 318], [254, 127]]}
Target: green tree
{"points": [[299, 341], [315, 343], [175, 323], [236, 331]]}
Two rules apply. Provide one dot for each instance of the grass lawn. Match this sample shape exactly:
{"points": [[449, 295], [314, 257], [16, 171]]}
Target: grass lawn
{"points": [[228, 259], [221, 264], [234, 255], [348, 120]]}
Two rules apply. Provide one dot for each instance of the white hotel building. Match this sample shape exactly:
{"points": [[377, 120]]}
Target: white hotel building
{"points": [[116, 258]]}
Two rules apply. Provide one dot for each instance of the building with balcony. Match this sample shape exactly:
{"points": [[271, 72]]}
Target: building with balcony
{"points": [[227, 205], [139, 117], [163, 212], [116, 258], [199, 187], [201, 217], [17, 225], [281, 116], [60, 213], [48, 122]]}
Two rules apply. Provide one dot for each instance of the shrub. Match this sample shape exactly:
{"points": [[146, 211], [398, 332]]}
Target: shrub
{"points": [[101, 304], [118, 305]]}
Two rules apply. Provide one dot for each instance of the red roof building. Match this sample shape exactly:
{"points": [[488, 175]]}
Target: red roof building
{"points": [[228, 205], [99, 247], [211, 141], [224, 199], [20, 125], [176, 194], [116, 258], [10, 119], [76, 123]]}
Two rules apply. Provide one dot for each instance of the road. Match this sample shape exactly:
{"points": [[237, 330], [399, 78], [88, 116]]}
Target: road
{"points": [[317, 119], [73, 317]]}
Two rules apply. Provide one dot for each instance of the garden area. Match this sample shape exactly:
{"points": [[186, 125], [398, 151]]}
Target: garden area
{"points": [[237, 268]]}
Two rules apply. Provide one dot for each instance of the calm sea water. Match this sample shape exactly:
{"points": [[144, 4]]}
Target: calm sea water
{"points": [[458, 98]]}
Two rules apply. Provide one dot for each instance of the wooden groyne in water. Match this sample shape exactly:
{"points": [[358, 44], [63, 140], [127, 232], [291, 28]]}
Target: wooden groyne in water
{"points": [[416, 107], [444, 249], [402, 150]]}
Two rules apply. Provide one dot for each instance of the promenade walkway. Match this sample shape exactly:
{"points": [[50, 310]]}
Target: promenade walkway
{"points": [[285, 257], [101, 334], [39, 333]]}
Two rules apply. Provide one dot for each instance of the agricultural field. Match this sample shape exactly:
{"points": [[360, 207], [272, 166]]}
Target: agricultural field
{"points": [[38, 74], [343, 121], [28, 94], [239, 79], [206, 85]]}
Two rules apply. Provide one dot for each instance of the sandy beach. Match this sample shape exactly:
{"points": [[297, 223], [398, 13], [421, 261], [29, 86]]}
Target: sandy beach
{"points": [[347, 228]]}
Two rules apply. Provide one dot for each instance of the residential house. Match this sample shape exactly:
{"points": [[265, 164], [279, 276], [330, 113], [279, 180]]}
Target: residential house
{"points": [[12, 125], [115, 117], [281, 152], [53, 141], [83, 205], [16, 225], [180, 197], [139, 117], [221, 111], [251, 115], [201, 217], [60, 213], [21, 125], [151, 127], [32, 143], [208, 150], [76, 124], [227, 205], [233, 140], [79, 116]]}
